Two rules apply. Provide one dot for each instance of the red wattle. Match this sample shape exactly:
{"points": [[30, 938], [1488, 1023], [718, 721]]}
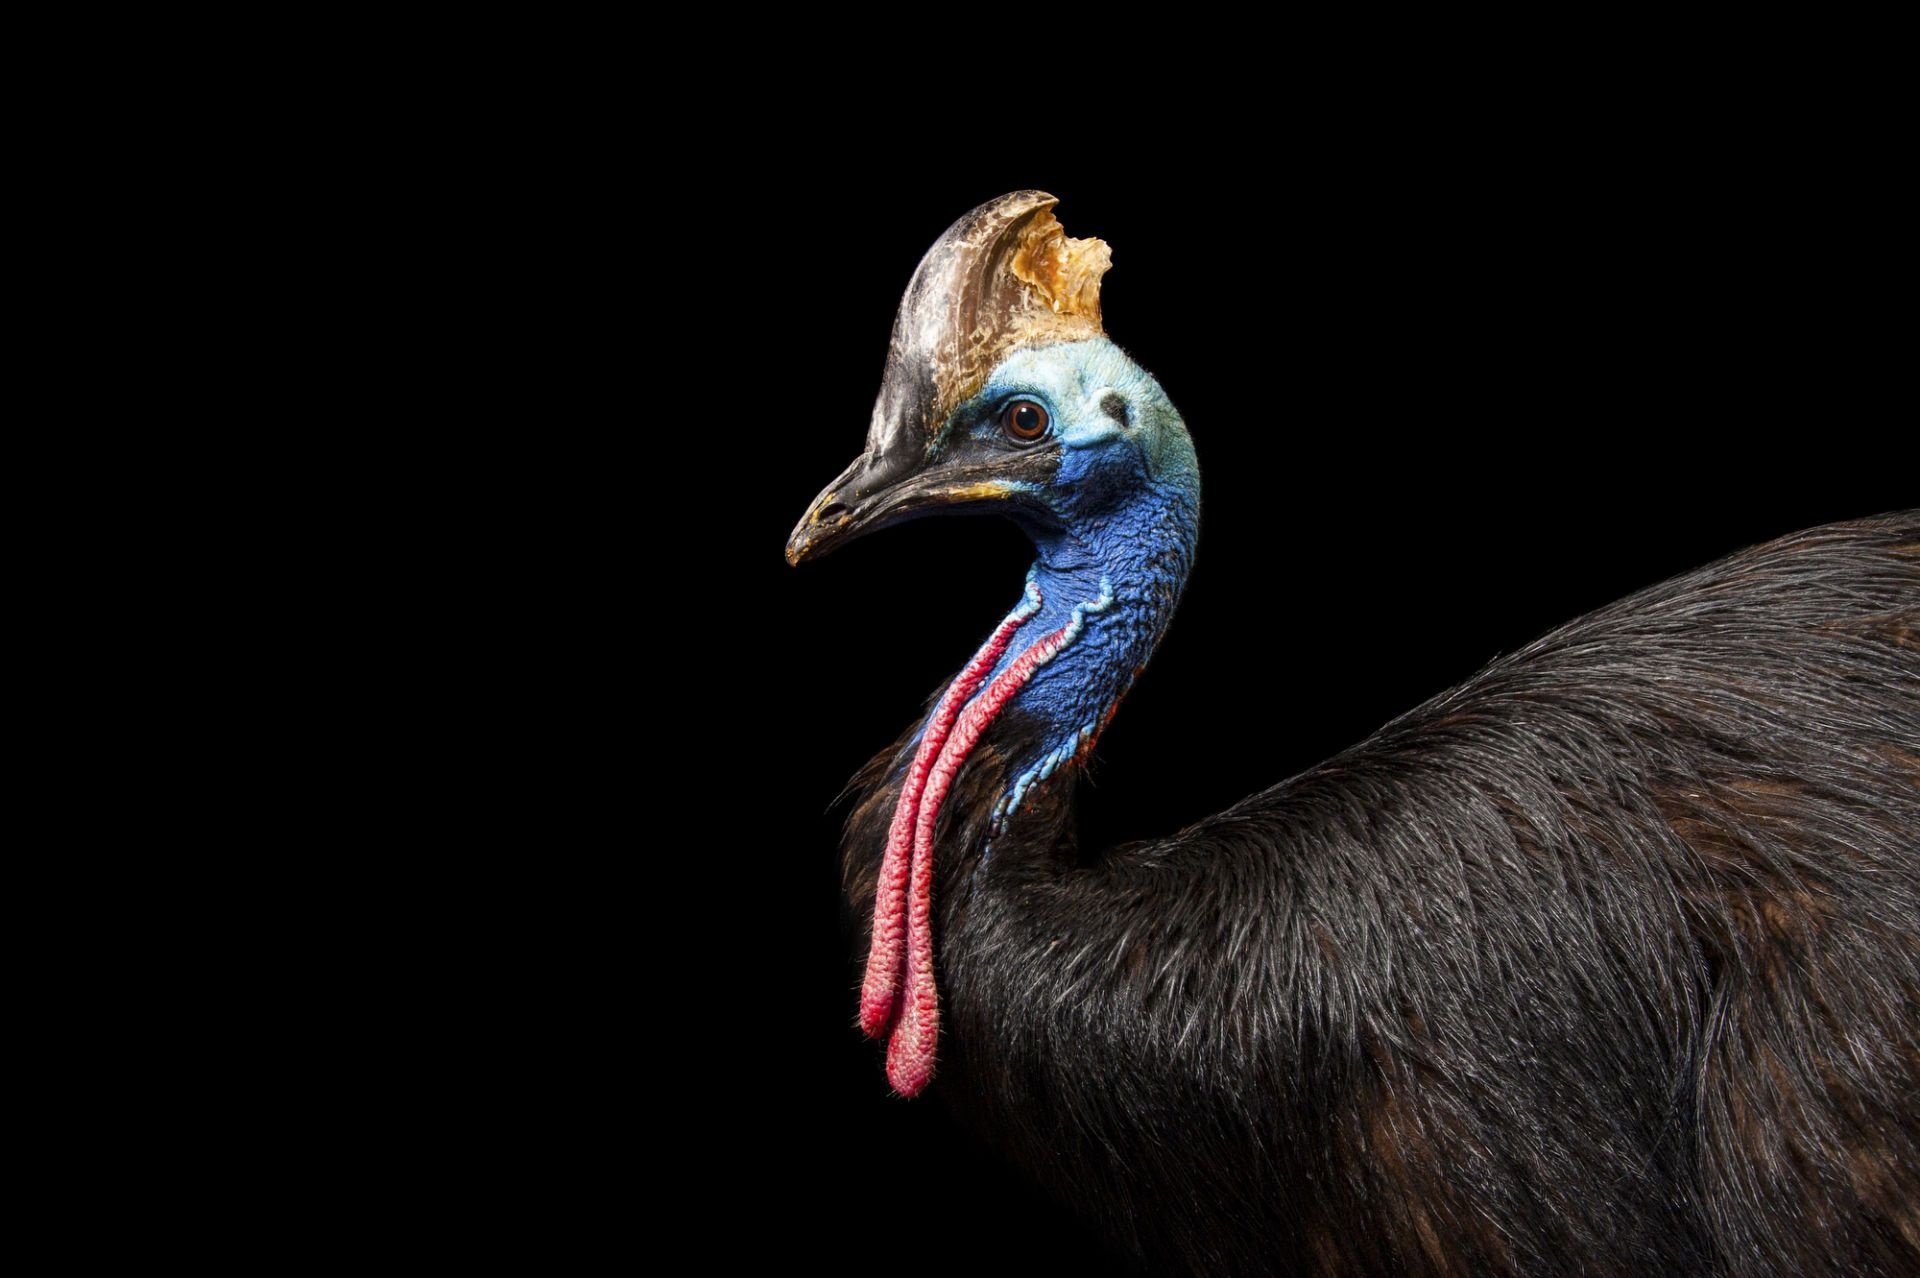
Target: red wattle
{"points": [[910, 1051], [880, 989]]}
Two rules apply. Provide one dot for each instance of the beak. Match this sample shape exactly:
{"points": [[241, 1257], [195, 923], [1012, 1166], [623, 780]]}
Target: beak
{"points": [[882, 489], [846, 507]]}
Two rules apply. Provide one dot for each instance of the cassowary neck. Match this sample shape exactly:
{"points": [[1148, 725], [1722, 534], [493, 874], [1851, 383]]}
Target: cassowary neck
{"points": [[1097, 599], [1107, 587]]}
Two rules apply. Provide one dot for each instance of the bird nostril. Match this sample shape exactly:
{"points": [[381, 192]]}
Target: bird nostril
{"points": [[830, 510]]}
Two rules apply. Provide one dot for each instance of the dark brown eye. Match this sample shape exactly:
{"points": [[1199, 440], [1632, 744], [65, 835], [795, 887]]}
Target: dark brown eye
{"points": [[1024, 420]]}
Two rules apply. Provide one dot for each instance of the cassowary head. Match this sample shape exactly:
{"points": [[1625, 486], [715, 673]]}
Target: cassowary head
{"points": [[1001, 392]]}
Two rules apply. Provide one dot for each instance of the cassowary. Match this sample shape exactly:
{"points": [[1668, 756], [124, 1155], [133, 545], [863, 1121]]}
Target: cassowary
{"points": [[1606, 961]]}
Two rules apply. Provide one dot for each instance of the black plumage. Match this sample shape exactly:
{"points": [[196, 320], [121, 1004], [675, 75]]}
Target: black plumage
{"points": [[1605, 961]]}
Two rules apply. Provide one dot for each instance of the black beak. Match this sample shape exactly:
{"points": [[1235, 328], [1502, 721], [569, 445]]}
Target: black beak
{"points": [[883, 489], [846, 507]]}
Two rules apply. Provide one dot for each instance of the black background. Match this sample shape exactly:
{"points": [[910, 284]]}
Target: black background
{"points": [[1447, 393]]}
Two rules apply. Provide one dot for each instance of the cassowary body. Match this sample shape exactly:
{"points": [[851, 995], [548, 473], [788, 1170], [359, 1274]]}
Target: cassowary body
{"points": [[1606, 961]]}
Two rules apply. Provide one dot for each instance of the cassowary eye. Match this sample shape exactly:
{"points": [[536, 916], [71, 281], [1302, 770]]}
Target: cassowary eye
{"points": [[1024, 421]]}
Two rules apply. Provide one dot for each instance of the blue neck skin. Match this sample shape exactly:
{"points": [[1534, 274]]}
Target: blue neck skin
{"points": [[1112, 579]]}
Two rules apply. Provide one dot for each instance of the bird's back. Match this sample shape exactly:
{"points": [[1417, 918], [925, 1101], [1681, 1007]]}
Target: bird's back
{"points": [[1605, 960], [1611, 952]]}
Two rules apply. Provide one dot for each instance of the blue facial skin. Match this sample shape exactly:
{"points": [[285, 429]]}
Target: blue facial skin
{"points": [[1114, 529]]}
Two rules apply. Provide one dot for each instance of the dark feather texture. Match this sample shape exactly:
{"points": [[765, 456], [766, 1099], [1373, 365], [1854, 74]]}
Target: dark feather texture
{"points": [[1604, 962]]}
